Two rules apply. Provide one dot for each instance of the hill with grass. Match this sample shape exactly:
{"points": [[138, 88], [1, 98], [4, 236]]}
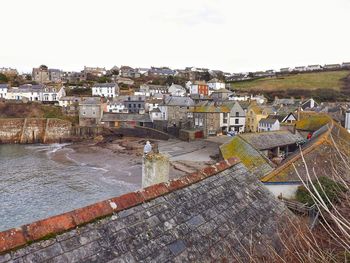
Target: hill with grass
{"points": [[330, 86]]}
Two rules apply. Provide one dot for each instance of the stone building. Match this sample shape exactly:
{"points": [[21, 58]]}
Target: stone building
{"points": [[41, 74], [90, 111], [176, 111]]}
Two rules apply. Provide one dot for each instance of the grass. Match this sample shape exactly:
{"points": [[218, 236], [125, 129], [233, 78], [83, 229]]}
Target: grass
{"points": [[309, 81]]}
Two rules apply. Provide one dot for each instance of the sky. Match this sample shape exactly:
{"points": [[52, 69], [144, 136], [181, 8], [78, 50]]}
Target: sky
{"points": [[228, 35]]}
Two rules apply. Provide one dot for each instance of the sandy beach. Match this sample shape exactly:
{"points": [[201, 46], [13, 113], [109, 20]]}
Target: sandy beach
{"points": [[121, 159]]}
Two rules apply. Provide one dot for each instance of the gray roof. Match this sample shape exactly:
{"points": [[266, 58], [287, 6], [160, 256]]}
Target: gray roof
{"points": [[212, 220], [4, 86], [268, 120], [178, 101], [126, 117], [269, 140], [105, 85], [90, 101]]}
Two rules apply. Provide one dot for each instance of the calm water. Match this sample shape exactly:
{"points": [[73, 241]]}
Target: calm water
{"points": [[32, 186]]}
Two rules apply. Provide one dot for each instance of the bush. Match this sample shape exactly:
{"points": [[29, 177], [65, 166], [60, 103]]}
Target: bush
{"points": [[331, 188]]}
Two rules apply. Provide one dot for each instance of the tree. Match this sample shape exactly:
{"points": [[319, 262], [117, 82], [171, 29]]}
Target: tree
{"points": [[3, 78]]}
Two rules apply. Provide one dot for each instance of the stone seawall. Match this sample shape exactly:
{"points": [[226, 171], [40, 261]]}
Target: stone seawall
{"points": [[34, 130]]}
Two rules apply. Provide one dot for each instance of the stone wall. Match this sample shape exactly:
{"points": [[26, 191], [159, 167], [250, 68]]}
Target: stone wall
{"points": [[34, 130]]}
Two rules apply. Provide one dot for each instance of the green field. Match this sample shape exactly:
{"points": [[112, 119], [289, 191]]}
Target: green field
{"points": [[331, 85]]}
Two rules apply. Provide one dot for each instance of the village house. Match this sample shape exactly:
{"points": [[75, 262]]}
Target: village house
{"points": [[3, 90], [72, 77], [70, 104], [135, 104], [41, 74], [286, 70], [254, 114], [90, 111], [126, 120], [215, 84], [117, 105], [269, 124], [160, 72], [150, 90], [331, 66], [93, 72], [309, 104], [155, 114], [345, 65], [221, 94], [128, 72], [55, 75], [29, 92], [107, 90], [300, 69], [200, 88], [211, 118], [177, 90], [314, 67], [237, 116], [122, 80], [176, 111]]}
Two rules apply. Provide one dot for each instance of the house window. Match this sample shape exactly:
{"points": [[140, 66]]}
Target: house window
{"points": [[237, 114], [236, 121]]}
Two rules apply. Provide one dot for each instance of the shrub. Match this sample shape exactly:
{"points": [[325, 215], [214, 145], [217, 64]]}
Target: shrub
{"points": [[331, 189]]}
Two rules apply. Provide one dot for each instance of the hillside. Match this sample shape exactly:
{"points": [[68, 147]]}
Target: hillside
{"points": [[331, 85], [33, 110]]}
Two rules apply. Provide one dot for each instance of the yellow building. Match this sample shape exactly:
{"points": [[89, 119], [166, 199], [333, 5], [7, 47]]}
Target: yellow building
{"points": [[254, 114]]}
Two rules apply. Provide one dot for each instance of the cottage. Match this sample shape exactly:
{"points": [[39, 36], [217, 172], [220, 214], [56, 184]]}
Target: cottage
{"points": [[107, 90], [332, 66], [314, 67], [200, 88], [345, 65], [300, 69], [177, 90], [90, 111], [254, 114], [237, 116], [269, 124], [135, 104], [211, 118], [216, 84], [221, 94], [3, 90], [176, 110], [286, 70], [150, 90], [117, 105], [70, 104]]}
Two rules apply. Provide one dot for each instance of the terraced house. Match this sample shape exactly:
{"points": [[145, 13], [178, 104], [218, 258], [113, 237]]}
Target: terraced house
{"points": [[254, 114], [210, 117]]}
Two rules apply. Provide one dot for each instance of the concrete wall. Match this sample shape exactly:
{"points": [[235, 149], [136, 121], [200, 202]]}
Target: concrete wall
{"points": [[34, 130]]}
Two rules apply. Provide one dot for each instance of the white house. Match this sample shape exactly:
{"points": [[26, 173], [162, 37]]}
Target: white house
{"points": [[155, 114], [215, 84], [177, 90], [3, 90], [107, 90], [237, 118], [269, 124], [117, 105], [52, 94], [314, 67]]}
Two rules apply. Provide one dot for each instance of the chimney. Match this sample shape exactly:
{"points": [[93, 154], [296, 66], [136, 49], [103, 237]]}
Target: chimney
{"points": [[155, 169]]}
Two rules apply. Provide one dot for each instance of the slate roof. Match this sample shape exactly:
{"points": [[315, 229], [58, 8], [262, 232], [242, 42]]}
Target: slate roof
{"points": [[210, 107], [125, 117], [268, 120], [178, 101], [272, 139], [212, 220], [320, 154], [105, 85], [4, 86], [252, 158]]}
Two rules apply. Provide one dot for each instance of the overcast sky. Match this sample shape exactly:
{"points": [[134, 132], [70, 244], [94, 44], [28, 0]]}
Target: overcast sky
{"points": [[230, 35]]}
